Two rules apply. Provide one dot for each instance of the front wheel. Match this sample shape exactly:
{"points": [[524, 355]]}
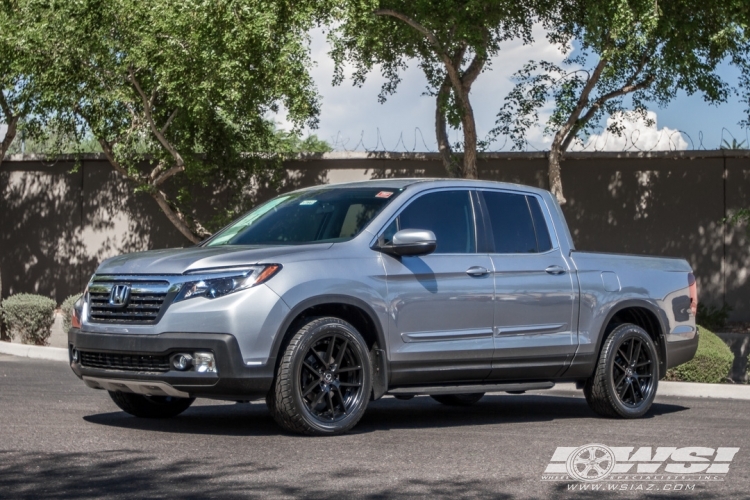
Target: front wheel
{"points": [[150, 406], [458, 399], [627, 375], [324, 379]]}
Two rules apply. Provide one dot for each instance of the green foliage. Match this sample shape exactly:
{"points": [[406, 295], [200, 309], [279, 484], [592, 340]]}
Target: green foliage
{"points": [[710, 365], [725, 144], [67, 310], [29, 317], [713, 317], [643, 49], [292, 142], [741, 216], [186, 84]]}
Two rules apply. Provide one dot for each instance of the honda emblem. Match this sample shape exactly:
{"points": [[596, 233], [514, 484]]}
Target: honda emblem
{"points": [[119, 296]]}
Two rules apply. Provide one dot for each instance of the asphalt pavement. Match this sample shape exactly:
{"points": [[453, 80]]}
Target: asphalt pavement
{"points": [[60, 439]]}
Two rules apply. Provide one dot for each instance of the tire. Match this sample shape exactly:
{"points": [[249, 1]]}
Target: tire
{"points": [[150, 406], [458, 399], [324, 379], [626, 377]]}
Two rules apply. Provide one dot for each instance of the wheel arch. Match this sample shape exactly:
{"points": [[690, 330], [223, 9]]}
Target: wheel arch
{"points": [[641, 313], [351, 309]]}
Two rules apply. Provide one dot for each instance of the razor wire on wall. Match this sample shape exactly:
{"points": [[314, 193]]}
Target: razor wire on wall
{"points": [[667, 140]]}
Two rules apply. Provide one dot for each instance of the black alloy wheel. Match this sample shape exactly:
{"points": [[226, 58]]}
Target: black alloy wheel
{"points": [[331, 378], [626, 376], [632, 373], [324, 379]]}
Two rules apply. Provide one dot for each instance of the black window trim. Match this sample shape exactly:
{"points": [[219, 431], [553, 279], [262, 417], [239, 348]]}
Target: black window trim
{"points": [[542, 207], [474, 209]]}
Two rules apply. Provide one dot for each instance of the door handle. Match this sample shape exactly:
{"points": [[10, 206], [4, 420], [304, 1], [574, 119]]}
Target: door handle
{"points": [[477, 271], [555, 270]]}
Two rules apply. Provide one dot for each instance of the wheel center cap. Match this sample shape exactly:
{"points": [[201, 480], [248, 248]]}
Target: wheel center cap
{"points": [[629, 372], [328, 376]]}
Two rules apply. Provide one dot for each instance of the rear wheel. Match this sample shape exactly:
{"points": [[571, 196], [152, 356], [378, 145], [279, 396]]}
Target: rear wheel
{"points": [[458, 399], [150, 406], [324, 380], [626, 376]]}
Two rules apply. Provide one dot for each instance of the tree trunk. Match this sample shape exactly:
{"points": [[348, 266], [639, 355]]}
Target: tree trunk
{"points": [[441, 132], [555, 180], [175, 217], [10, 134], [470, 139]]}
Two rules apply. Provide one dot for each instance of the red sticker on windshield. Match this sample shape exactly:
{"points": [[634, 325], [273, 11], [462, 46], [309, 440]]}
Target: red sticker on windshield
{"points": [[384, 194]]}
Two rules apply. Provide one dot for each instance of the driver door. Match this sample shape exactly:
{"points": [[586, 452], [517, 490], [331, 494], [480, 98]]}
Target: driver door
{"points": [[440, 305]]}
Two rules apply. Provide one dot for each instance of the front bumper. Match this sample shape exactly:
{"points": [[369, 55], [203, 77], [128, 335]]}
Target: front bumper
{"points": [[233, 381]]}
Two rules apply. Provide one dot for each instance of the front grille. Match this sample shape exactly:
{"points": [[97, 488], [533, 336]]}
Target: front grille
{"points": [[127, 362], [143, 307]]}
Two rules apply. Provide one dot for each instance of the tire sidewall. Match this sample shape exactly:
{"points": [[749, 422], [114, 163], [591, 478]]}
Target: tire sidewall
{"points": [[356, 341], [620, 335]]}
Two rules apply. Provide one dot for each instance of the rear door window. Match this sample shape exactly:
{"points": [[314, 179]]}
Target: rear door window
{"points": [[516, 223]]}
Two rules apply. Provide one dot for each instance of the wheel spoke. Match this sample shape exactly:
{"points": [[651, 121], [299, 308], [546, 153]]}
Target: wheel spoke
{"points": [[618, 365], [349, 369], [318, 399], [624, 356], [619, 381], [342, 350], [643, 363], [349, 384], [624, 390], [320, 358], [630, 351], [640, 392], [312, 370], [637, 352], [341, 397], [312, 385], [330, 405], [329, 351]]}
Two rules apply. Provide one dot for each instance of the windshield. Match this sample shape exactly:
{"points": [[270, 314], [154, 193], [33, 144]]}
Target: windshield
{"points": [[323, 215]]}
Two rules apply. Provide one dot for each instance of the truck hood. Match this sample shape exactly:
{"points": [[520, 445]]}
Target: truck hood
{"points": [[181, 260]]}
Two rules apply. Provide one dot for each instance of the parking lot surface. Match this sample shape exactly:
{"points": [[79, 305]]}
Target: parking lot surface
{"points": [[60, 439]]}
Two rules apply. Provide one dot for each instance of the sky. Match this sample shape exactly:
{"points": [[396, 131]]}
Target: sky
{"points": [[351, 117]]}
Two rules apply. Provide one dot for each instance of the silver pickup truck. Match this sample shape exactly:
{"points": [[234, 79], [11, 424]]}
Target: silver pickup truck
{"points": [[325, 298]]}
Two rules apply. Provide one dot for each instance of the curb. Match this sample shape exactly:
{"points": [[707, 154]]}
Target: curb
{"points": [[674, 389], [34, 351]]}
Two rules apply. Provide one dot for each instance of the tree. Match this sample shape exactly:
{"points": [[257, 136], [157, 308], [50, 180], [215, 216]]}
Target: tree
{"points": [[452, 40], [642, 49], [184, 84]]}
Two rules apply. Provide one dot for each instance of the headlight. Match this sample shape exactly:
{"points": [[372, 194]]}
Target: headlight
{"points": [[212, 288]]}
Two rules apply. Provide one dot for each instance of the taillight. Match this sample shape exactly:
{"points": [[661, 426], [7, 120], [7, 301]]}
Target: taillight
{"points": [[693, 293]]}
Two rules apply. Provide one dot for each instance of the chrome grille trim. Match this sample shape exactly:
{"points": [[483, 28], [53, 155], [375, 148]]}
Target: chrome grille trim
{"points": [[148, 299]]}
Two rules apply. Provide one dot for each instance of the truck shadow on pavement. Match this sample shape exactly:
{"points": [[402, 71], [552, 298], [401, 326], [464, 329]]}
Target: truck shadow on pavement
{"points": [[130, 474], [384, 414]]}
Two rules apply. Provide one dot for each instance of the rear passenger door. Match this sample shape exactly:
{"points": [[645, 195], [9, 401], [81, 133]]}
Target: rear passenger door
{"points": [[534, 321]]}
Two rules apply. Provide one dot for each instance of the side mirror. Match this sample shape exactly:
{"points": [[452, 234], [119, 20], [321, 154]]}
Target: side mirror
{"points": [[411, 242]]}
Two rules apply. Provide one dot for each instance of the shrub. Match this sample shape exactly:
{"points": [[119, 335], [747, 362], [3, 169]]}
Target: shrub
{"points": [[711, 363], [713, 317], [67, 310], [29, 317]]}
